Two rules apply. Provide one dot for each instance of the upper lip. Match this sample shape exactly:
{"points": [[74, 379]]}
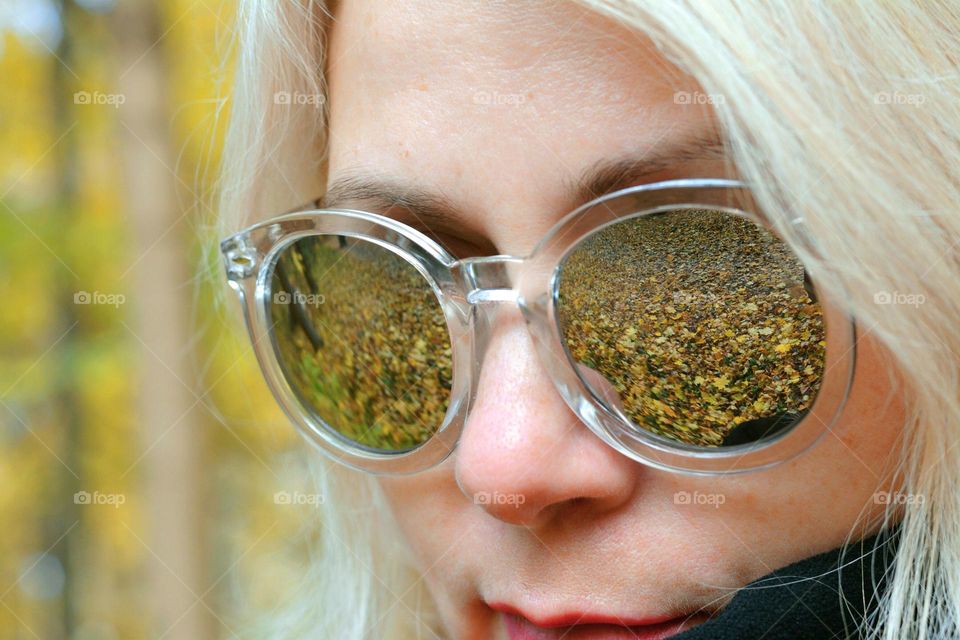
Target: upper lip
{"points": [[573, 617]]}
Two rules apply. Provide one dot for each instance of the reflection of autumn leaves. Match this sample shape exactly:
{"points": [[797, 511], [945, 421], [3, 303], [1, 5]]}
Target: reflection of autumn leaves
{"points": [[382, 374], [699, 320]]}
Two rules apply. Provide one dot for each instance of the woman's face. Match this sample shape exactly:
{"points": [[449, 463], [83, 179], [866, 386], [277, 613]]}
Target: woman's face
{"points": [[500, 108]]}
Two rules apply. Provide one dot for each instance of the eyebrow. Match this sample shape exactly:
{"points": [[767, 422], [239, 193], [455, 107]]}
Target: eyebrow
{"points": [[435, 211]]}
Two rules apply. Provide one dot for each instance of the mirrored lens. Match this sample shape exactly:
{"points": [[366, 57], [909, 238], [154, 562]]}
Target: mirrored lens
{"points": [[362, 340], [700, 326]]}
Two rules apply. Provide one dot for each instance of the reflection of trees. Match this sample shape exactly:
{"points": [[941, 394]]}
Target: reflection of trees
{"points": [[298, 311]]}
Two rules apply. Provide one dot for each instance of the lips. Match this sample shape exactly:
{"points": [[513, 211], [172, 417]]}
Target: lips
{"points": [[586, 626]]}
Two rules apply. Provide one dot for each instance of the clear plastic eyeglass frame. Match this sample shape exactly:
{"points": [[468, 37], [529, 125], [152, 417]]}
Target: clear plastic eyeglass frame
{"points": [[466, 290]]}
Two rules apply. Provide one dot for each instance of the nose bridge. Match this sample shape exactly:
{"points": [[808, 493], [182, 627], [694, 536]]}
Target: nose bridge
{"points": [[489, 279]]}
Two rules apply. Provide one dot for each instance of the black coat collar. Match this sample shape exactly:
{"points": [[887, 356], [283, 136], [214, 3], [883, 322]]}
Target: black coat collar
{"points": [[803, 601]]}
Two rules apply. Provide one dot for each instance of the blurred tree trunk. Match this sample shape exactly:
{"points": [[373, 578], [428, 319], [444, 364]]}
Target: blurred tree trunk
{"points": [[69, 406], [168, 408]]}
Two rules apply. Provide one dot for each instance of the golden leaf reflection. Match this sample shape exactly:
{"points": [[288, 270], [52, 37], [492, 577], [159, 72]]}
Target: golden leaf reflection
{"points": [[702, 322]]}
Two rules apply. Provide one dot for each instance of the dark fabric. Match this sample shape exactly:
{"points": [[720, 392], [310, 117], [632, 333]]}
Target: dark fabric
{"points": [[802, 601]]}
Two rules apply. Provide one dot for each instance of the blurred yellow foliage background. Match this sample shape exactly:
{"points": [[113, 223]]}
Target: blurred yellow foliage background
{"points": [[139, 449]]}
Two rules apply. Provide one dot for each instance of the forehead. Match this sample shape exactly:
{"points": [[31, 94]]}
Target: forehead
{"points": [[499, 106]]}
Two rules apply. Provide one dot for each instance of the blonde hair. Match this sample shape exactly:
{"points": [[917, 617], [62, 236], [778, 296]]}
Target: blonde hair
{"points": [[844, 114]]}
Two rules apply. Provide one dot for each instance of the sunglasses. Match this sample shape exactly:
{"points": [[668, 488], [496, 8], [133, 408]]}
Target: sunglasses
{"points": [[673, 321]]}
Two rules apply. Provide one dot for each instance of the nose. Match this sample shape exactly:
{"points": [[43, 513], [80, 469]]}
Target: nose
{"points": [[524, 456]]}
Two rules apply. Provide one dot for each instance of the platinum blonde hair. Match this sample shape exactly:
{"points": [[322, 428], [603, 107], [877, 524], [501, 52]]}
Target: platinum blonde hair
{"points": [[844, 114]]}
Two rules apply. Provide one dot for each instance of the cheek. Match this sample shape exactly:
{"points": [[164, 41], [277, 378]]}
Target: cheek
{"points": [[809, 504], [428, 508], [862, 450], [873, 422], [445, 534]]}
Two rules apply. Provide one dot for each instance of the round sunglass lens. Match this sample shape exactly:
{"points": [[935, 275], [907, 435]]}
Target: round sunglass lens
{"points": [[700, 326], [362, 341]]}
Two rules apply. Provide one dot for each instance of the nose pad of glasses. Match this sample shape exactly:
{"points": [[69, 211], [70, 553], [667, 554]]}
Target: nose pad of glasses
{"points": [[488, 279]]}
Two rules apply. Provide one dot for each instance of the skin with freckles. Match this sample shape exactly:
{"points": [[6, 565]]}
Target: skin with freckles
{"points": [[497, 108]]}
